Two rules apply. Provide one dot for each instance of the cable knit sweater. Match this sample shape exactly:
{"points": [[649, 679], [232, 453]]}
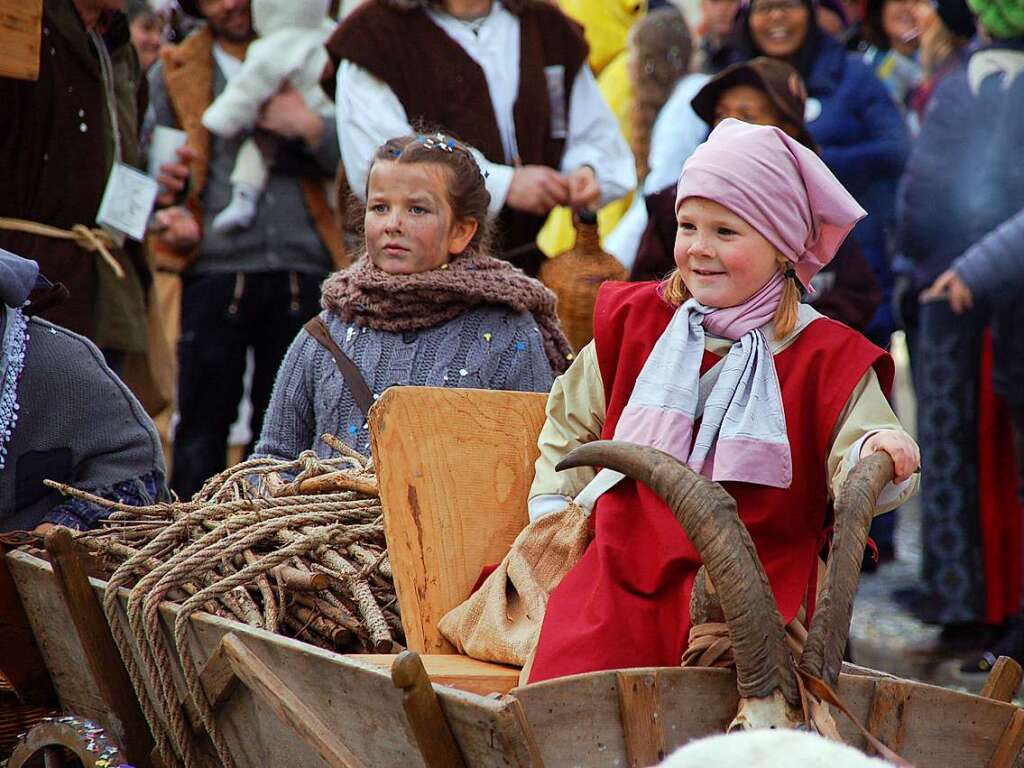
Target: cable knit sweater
{"points": [[488, 347]]}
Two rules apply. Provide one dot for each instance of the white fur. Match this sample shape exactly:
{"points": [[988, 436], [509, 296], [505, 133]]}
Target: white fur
{"points": [[290, 48], [769, 749]]}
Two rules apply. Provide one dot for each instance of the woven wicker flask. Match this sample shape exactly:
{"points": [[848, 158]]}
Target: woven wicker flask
{"points": [[575, 275]]}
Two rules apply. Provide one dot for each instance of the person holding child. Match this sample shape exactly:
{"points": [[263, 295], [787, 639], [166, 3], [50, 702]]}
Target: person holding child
{"points": [[795, 401], [424, 305]]}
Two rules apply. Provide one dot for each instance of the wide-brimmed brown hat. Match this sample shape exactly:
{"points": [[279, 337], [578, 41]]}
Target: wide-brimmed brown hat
{"points": [[780, 82]]}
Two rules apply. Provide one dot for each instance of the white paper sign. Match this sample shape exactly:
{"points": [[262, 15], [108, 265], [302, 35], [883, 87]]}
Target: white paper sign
{"points": [[127, 201]]}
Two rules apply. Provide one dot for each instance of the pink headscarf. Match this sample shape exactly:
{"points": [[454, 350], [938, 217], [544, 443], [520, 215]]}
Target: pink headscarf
{"points": [[778, 186]]}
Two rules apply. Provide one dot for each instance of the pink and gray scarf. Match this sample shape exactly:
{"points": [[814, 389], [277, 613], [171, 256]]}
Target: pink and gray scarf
{"points": [[784, 191]]}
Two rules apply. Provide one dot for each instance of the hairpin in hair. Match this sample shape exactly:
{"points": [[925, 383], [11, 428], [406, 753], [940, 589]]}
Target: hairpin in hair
{"points": [[438, 141]]}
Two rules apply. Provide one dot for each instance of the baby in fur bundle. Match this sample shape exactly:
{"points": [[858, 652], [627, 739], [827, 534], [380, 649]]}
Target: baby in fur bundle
{"points": [[290, 48]]}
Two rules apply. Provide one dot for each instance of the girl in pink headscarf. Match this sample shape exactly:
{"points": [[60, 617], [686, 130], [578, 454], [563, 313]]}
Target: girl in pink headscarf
{"points": [[723, 367]]}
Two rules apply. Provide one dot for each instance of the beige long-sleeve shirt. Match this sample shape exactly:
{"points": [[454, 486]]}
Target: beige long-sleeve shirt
{"points": [[576, 414]]}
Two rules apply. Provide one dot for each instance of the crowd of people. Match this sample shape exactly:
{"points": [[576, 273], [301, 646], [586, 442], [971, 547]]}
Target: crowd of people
{"points": [[362, 197]]}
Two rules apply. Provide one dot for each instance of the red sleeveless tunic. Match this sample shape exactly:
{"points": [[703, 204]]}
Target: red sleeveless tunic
{"points": [[626, 603]]}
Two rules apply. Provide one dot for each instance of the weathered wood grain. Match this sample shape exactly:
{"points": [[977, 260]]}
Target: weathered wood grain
{"points": [[888, 713], [102, 656], [20, 36], [454, 471], [1010, 743], [1003, 681], [640, 713], [456, 671], [426, 718], [290, 709], [569, 722]]}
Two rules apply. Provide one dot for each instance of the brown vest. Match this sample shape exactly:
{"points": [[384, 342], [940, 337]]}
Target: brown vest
{"points": [[441, 86]]}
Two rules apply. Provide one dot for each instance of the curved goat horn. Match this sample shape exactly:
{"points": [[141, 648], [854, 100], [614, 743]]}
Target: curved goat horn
{"points": [[822, 656], [708, 516]]}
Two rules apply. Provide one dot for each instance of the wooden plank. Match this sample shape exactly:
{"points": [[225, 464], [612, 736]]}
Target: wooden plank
{"points": [[525, 732], [887, 716], [571, 722], [460, 672], [218, 677], [101, 653], [639, 710], [1003, 681], [21, 23], [429, 725], [1010, 743], [21, 663], [454, 471], [291, 710]]}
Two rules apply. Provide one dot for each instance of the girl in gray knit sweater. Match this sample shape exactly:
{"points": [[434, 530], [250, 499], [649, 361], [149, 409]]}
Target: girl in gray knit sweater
{"points": [[424, 305]]}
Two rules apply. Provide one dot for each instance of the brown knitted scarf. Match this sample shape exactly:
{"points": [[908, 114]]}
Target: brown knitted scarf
{"points": [[369, 296]]}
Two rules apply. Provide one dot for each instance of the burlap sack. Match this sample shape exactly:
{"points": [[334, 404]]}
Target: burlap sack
{"points": [[501, 621]]}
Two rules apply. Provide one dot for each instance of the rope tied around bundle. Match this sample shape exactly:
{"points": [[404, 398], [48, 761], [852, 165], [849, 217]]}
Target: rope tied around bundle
{"points": [[255, 545]]}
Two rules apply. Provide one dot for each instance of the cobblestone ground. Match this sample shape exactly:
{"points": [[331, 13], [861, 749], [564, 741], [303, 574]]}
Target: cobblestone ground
{"points": [[882, 635]]}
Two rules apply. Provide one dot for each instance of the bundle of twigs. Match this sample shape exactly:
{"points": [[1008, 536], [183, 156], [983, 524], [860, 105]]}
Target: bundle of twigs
{"points": [[336, 597], [292, 547]]}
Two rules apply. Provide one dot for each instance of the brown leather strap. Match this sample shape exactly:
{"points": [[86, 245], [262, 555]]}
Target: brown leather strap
{"points": [[357, 385]]}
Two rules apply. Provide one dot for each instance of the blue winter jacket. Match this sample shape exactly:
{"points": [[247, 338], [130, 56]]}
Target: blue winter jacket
{"points": [[864, 141], [965, 179]]}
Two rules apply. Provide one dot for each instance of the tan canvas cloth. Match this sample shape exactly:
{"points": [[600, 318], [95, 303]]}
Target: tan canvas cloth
{"points": [[501, 621]]}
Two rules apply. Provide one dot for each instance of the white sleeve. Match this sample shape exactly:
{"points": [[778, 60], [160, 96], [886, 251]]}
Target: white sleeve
{"points": [[369, 113], [595, 139]]}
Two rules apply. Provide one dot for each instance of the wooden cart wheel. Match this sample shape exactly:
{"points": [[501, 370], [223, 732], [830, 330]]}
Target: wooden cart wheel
{"points": [[54, 737]]}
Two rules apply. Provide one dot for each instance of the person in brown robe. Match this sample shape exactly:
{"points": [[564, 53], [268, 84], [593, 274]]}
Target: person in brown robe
{"points": [[56, 149]]}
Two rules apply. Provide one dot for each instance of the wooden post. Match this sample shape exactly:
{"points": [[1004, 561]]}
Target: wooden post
{"points": [[102, 656], [1003, 681], [887, 718], [1010, 743], [21, 23], [426, 718], [641, 724], [21, 663]]}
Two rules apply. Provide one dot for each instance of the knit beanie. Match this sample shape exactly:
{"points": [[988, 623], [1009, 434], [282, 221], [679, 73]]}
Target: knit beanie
{"points": [[1000, 18], [957, 17]]}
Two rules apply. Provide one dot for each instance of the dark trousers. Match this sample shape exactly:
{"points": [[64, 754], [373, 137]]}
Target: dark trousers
{"points": [[222, 317]]}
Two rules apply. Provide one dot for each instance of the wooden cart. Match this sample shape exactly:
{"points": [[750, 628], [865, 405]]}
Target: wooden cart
{"points": [[454, 469]]}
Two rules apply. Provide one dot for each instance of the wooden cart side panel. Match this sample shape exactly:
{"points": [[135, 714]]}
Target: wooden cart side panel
{"points": [[21, 662], [55, 635], [941, 728], [356, 700], [454, 468]]}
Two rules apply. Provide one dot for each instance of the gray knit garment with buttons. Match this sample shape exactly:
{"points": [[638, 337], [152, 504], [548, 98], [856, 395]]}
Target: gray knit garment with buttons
{"points": [[487, 347]]}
